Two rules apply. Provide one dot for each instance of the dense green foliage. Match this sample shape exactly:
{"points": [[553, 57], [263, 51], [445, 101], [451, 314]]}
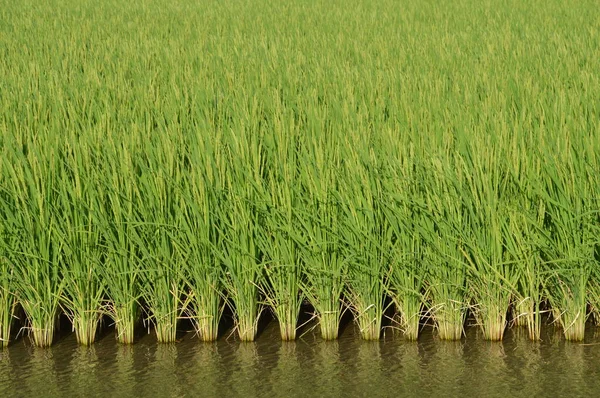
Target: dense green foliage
{"points": [[162, 160]]}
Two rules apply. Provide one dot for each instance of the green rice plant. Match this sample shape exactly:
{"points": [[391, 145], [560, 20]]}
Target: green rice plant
{"points": [[593, 294], [405, 244], [197, 239], [8, 300], [118, 101], [203, 274], [117, 220], [35, 249], [8, 294], [319, 217], [365, 235], [593, 203], [277, 238], [491, 278], [162, 280], [162, 283], [78, 232], [239, 220], [524, 242], [441, 229], [572, 237], [523, 245]]}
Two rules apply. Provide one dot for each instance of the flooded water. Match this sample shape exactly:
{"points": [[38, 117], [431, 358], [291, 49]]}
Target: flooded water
{"points": [[309, 367]]}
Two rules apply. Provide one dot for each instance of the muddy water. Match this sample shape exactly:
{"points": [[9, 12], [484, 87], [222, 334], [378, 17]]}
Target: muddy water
{"points": [[307, 368]]}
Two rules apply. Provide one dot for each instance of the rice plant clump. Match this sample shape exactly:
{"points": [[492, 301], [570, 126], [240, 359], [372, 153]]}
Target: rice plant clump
{"points": [[83, 253], [278, 238], [8, 302], [36, 247], [365, 238], [442, 229]]}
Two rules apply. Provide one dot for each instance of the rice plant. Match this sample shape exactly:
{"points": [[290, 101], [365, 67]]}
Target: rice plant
{"points": [[491, 277], [572, 238], [406, 270], [177, 159], [366, 238], [239, 220], [524, 238], [8, 293], [121, 238], [198, 238], [442, 229], [325, 269], [162, 279], [8, 301], [35, 249], [79, 234], [277, 238]]}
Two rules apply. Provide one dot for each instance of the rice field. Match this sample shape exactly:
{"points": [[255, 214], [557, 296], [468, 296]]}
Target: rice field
{"points": [[402, 161]]}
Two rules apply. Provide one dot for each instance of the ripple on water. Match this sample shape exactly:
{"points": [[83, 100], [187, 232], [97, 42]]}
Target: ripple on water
{"points": [[307, 367]]}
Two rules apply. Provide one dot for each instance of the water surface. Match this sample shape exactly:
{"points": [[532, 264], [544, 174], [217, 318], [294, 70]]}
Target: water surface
{"points": [[309, 367]]}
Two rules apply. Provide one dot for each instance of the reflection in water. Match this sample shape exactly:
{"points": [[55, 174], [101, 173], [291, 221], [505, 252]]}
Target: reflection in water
{"points": [[328, 374], [45, 382], [164, 363], [370, 374], [524, 360], [6, 370], [492, 366], [204, 381], [124, 369], [84, 371], [447, 366], [288, 372], [575, 367], [308, 367], [246, 377], [408, 376]]}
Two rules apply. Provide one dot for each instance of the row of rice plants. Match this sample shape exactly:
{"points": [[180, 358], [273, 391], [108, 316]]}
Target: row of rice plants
{"points": [[119, 231], [159, 163]]}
